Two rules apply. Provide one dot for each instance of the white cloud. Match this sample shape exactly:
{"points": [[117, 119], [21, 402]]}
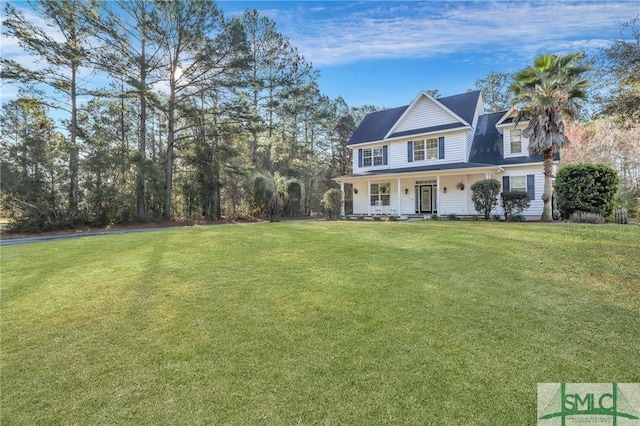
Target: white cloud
{"points": [[388, 30]]}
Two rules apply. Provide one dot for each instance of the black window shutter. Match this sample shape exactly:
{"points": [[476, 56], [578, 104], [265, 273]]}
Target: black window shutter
{"points": [[441, 147], [410, 151], [531, 187], [385, 159], [360, 157], [505, 183]]}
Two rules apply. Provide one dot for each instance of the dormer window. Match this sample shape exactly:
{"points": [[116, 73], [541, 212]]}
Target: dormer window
{"points": [[516, 141]]}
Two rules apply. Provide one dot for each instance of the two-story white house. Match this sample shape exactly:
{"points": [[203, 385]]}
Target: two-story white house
{"points": [[421, 159]]}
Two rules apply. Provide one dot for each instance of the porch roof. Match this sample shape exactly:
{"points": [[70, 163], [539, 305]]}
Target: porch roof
{"points": [[424, 168]]}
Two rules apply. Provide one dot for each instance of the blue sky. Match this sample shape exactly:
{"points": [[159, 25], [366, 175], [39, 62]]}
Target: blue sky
{"points": [[385, 52]]}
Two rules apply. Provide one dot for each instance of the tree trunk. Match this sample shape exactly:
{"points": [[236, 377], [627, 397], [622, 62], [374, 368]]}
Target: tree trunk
{"points": [[142, 142], [75, 152], [547, 210]]}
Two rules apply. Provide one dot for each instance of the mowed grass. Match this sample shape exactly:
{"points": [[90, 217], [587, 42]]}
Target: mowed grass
{"points": [[316, 323]]}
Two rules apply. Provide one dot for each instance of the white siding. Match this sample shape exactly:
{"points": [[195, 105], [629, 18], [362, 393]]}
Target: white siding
{"points": [[454, 200], [425, 113], [471, 179], [474, 125], [454, 151], [357, 169], [469, 143], [535, 209]]}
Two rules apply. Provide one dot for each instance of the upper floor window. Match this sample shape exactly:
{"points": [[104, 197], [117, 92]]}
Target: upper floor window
{"points": [[516, 141], [425, 149], [432, 148], [418, 150], [372, 156]]}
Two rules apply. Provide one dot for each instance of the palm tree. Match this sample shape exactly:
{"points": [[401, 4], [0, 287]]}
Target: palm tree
{"points": [[271, 192], [544, 95]]}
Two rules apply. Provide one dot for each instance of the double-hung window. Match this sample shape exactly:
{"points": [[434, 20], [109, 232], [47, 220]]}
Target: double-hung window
{"points": [[372, 156], [516, 141], [432, 148], [519, 183], [425, 149], [418, 150], [380, 194]]}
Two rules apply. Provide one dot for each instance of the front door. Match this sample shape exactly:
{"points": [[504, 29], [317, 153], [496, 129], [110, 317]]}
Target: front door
{"points": [[426, 200]]}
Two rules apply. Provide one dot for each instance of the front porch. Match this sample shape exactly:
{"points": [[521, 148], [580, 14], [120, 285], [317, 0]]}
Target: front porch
{"points": [[416, 196]]}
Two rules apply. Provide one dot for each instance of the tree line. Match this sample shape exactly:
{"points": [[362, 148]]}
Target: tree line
{"points": [[194, 111], [170, 110]]}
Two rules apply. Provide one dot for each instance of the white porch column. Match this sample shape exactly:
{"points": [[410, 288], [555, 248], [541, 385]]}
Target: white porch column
{"points": [[368, 198], [399, 195], [438, 206], [342, 202]]}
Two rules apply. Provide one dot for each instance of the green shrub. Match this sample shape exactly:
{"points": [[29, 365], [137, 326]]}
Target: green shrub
{"points": [[360, 217], [586, 217], [514, 203], [435, 217], [377, 218], [392, 218], [485, 196], [587, 188], [332, 203], [453, 216]]}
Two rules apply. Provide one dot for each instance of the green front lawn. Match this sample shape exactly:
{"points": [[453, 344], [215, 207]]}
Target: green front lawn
{"points": [[316, 323]]}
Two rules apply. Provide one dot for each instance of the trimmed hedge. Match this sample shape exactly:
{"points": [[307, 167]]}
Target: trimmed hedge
{"points": [[514, 203], [586, 188], [332, 203], [484, 195]]}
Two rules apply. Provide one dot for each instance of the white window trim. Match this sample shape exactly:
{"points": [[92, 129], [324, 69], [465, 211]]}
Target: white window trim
{"points": [[381, 197], [512, 188], [420, 145], [374, 154]]}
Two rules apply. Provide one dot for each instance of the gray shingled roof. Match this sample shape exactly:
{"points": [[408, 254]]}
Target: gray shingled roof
{"points": [[464, 105], [488, 145], [427, 130], [423, 168], [376, 125]]}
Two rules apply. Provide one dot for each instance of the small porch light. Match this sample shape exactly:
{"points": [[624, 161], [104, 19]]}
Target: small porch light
{"points": [[406, 191], [444, 189]]}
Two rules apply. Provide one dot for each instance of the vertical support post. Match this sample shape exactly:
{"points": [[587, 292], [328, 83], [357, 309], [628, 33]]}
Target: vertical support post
{"points": [[368, 198], [438, 206], [399, 197]]}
